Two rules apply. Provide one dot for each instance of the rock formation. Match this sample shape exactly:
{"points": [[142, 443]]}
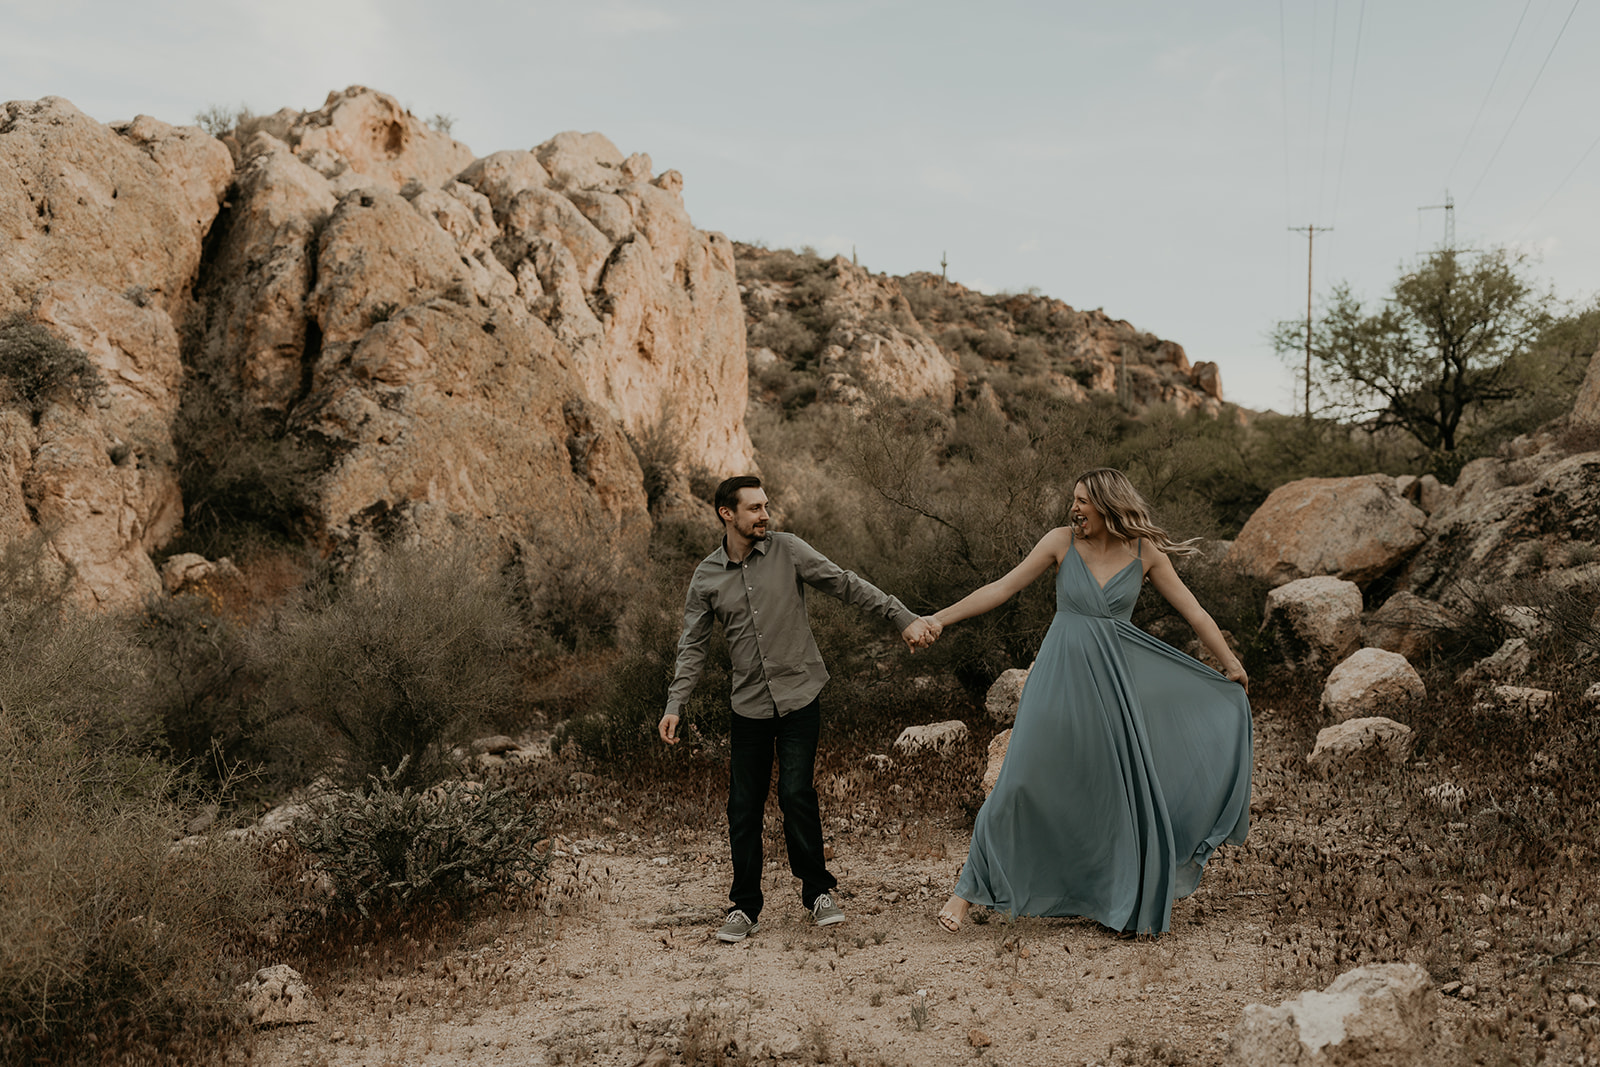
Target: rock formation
{"points": [[101, 232], [471, 341]]}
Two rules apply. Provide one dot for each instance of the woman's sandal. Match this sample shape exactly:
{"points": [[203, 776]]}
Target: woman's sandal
{"points": [[950, 920]]}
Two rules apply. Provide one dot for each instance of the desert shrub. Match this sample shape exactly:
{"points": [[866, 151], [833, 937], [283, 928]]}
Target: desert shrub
{"points": [[244, 481], [786, 335], [387, 847], [621, 728], [574, 589], [110, 941], [397, 662], [37, 367]]}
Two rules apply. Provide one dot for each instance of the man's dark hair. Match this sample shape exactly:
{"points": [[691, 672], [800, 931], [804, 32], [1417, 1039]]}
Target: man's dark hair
{"points": [[728, 492]]}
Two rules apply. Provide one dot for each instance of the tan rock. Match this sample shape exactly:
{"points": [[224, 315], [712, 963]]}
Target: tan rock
{"points": [[1372, 682], [448, 410], [278, 996], [937, 737], [1352, 528], [377, 255], [360, 138], [259, 325], [1004, 696], [1517, 699], [1314, 623], [999, 745], [1343, 742], [1408, 624], [1379, 1015], [82, 201]]}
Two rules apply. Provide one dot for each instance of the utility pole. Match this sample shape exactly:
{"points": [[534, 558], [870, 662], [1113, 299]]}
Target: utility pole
{"points": [[1311, 240], [1449, 209], [942, 267]]}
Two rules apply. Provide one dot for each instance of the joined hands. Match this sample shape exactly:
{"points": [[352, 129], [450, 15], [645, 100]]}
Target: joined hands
{"points": [[922, 633]]}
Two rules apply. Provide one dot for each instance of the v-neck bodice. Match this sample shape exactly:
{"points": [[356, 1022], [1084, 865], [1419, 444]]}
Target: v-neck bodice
{"points": [[1078, 591]]}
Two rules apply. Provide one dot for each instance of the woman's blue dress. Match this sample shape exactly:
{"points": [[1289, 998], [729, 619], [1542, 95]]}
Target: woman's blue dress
{"points": [[1128, 765]]}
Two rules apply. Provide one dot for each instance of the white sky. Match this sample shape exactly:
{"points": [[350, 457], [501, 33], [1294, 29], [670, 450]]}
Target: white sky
{"points": [[1143, 157]]}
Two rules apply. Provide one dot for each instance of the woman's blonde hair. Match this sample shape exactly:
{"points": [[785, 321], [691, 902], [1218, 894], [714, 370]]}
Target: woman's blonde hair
{"points": [[1126, 513]]}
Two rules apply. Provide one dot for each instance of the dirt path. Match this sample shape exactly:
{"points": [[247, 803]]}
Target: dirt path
{"points": [[621, 960]]}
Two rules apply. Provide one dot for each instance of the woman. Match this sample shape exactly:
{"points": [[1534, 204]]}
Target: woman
{"points": [[1129, 762]]}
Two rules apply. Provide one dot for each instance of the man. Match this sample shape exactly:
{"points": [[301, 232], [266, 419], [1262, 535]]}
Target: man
{"points": [[753, 584]]}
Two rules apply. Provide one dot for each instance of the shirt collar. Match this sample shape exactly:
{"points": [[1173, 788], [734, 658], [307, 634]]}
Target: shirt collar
{"points": [[721, 554]]}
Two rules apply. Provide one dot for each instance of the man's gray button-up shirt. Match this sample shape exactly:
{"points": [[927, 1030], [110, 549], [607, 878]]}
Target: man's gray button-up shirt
{"points": [[760, 602]]}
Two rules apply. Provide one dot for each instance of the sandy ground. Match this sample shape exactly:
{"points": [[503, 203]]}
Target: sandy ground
{"points": [[619, 966]]}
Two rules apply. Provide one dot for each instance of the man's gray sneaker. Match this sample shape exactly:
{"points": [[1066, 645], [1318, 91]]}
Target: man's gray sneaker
{"points": [[825, 911], [740, 926]]}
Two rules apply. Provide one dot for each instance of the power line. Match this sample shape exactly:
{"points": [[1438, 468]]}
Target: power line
{"points": [[1504, 137], [1327, 109], [1349, 105], [1492, 82]]}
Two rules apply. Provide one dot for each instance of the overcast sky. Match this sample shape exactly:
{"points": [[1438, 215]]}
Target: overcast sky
{"points": [[1145, 158]]}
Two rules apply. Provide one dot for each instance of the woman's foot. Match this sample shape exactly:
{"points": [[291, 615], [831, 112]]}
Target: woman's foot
{"points": [[953, 913]]}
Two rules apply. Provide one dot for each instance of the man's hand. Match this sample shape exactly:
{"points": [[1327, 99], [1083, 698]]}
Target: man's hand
{"points": [[922, 633], [668, 729]]}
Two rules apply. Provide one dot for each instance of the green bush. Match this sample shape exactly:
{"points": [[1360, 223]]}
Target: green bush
{"points": [[37, 367], [387, 848], [397, 662]]}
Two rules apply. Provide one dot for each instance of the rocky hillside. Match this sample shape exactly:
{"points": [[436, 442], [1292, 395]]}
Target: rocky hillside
{"points": [[828, 330], [344, 323]]}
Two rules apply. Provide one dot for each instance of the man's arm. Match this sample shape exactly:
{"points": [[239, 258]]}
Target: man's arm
{"points": [[697, 621], [820, 572]]}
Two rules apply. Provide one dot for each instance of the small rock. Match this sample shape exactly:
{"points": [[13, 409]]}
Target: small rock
{"points": [[1337, 745], [1591, 697], [498, 745], [936, 737], [979, 1039], [878, 761], [1582, 1006], [609, 823], [1378, 1014], [1447, 797], [1450, 989], [1516, 699], [278, 996]]}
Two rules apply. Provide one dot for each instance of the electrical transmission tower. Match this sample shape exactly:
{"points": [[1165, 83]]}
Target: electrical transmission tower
{"points": [[1449, 209], [1311, 241]]}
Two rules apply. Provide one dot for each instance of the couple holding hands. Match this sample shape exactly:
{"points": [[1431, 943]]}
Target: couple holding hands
{"points": [[1129, 761]]}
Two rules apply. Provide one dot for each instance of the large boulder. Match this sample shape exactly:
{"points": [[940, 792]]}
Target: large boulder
{"points": [[1372, 682], [1380, 1015], [362, 139], [1313, 623], [1352, 528], [1408, 624], [1513, 518]]}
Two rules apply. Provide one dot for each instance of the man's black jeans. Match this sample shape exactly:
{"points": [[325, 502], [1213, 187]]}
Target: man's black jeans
{"points": [[793, 738]]}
